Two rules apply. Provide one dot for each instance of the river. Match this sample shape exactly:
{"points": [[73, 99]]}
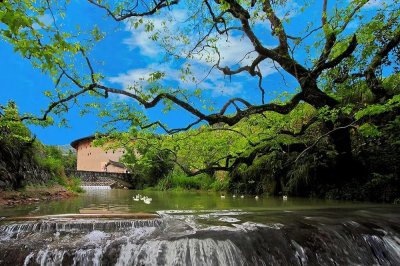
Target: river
{"points": [[199, 228]]}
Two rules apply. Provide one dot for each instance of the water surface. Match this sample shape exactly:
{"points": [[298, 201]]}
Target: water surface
{"points": [[122, 201], [201, 228]]}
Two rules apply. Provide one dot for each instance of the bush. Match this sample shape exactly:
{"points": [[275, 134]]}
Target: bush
{"points": [[220, 184], [381, 187], [49, 158], [164, 184], [72, 184], [263, 176], [180, 181], [183, 181], [149, 168], [69, 160]]}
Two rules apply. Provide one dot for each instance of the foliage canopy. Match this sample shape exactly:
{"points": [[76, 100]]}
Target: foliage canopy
{"points": [[345, 65]]}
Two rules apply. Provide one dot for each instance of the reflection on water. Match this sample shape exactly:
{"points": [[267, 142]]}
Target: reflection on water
{"points": [[123, 201]]}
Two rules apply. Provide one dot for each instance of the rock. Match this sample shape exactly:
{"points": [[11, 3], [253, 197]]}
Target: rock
{"points": [[18, 167]]}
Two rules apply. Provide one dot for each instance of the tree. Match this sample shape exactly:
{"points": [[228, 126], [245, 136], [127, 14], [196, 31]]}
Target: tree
{"points": [[342, 56], [12, 131]]}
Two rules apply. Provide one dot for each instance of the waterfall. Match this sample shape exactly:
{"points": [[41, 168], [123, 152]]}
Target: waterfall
{"points": [[95, 187], [181, 252], [11, 230], [185, 241]]}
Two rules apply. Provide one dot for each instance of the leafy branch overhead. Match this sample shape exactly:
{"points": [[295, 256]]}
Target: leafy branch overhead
{"points": [[328, 59]]}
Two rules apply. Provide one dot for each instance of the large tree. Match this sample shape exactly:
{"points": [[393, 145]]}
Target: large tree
{"points": [[346, 46]]}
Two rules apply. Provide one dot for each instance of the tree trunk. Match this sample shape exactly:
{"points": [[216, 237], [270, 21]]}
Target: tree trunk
{"points": [[346, 166], [314, 96]]}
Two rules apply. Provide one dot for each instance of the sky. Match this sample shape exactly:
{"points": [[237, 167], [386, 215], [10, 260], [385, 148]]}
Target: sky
{"points": [[127, 54]]}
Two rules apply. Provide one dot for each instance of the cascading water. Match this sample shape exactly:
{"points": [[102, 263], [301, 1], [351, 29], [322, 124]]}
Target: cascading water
{"points": [[206, 238], [13, 230], [95, 187]]}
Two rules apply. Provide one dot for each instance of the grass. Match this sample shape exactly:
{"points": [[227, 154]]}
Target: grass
{"points": [[180, 182], [72, 184]]}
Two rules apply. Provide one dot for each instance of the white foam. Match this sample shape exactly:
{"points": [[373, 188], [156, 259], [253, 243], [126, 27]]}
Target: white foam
{"points": [[229, 219], [96, 187], [95, 236]]}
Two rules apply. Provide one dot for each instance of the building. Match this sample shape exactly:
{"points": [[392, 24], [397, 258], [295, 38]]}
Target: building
{"points": [[97, 159]]}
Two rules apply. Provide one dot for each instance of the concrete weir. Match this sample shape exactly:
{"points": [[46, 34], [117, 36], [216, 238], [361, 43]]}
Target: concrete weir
{"points": [[85, 187], [92, 178], [99, 215]]}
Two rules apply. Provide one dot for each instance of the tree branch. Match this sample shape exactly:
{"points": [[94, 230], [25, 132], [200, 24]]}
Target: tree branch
{"points": [[337, 60], [56, 103], [211, 118], [321, 137], [132, 13], [277, 26], [373, 82]]}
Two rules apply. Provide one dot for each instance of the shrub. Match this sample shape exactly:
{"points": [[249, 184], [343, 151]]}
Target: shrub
{"points": [[72, 184], [49, 158], [149, 168], [180, 181], [220, 184]]}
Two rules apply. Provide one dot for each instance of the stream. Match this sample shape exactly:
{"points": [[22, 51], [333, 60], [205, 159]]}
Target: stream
{"points": [[199, 228]]}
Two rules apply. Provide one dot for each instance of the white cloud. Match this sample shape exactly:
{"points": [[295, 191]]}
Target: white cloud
{"points": [[286, 11], [233, 54], [375, 3], [212, 81], [141, 39], [235, 51], [137, 79], [46, 19], [372, 4], [289, 10], [219, 86], [132, 77]]}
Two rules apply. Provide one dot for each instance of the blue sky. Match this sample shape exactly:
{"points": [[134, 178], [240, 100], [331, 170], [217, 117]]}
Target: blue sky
{"points": [[127, 54]]}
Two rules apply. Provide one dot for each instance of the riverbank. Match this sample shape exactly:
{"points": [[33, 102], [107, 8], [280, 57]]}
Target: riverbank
{"points": [[31, 195]]}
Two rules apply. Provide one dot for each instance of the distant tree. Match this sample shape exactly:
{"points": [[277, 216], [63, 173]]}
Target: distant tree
{"points": [[12, 130], [70, 160]]}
